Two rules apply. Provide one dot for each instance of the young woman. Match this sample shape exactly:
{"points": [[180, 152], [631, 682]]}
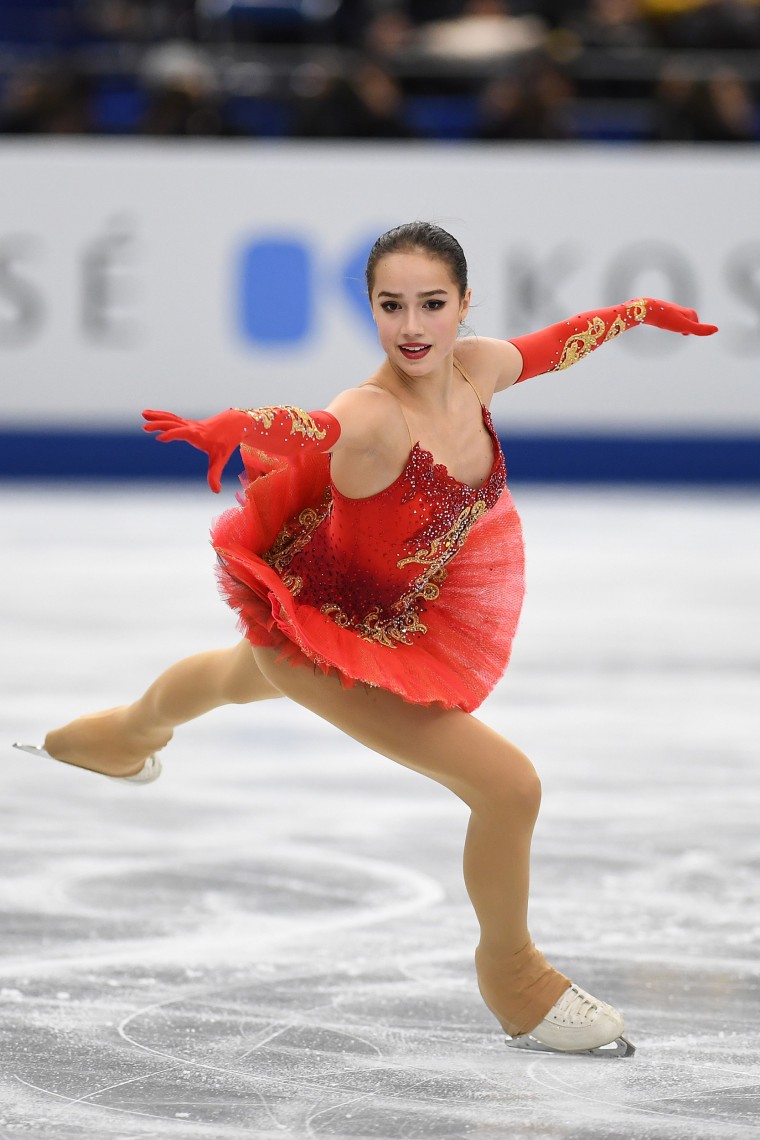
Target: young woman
{"points": [[375, 561]]}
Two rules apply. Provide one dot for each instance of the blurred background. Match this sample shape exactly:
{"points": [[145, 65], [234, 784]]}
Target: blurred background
{"points": [[188, 190]]}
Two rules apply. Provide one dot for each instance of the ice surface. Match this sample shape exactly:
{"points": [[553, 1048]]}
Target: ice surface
{"points": [[274, 939]]}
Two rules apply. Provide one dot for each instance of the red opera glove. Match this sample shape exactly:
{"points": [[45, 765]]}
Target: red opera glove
{"points": [[558, 346], [281, 430]]}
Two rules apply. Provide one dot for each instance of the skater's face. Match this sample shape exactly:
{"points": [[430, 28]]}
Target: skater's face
{"points": [[417, 308]]}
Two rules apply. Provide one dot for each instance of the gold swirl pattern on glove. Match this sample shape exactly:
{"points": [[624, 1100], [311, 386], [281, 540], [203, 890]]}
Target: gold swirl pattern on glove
{"points": [[580, 344], [301, 422]]}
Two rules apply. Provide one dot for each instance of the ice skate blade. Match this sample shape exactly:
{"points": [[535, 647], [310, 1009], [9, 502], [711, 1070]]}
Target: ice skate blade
{"points": [[149, 772], [620, 1047]]}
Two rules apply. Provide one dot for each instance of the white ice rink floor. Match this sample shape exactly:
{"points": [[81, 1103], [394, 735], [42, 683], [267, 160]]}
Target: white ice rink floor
{"points": [[274, 940]]}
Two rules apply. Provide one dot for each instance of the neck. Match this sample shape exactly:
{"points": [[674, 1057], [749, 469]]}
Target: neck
{"points": [[433, 391]]}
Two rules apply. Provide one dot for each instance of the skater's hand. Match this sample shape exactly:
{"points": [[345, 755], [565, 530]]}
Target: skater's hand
{"points": [[675, 318], [218, 436]]}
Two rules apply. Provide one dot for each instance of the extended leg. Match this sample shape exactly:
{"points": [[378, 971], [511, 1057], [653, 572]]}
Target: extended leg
{"points": [[500, 786], [117, 741]]}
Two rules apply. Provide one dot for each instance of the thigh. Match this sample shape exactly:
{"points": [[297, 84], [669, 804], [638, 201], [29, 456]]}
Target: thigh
{"points": [[449, 745], [240, 676]]}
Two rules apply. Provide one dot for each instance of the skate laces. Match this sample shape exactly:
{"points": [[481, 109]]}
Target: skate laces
{"points": [[575, 1007]]}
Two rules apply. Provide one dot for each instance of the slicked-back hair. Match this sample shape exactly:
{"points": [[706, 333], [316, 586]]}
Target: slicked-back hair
{"points": [[423, 237]]}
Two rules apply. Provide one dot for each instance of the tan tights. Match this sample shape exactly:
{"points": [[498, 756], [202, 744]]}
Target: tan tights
{"points": [[496, 781]]}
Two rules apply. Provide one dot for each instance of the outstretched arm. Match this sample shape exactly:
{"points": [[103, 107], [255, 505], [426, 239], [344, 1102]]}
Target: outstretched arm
{"points": [[558, 346], [282, 430], [563, 344]]}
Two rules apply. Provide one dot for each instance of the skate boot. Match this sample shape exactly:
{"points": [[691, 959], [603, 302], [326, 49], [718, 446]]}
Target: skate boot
{"points": [[577, 1023], [149, 772]]}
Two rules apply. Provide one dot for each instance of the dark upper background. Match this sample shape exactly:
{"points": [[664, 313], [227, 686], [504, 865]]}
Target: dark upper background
{"points": [[613, 70]]}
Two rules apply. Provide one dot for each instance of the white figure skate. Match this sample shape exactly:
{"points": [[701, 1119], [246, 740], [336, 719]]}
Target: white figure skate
{"points": [[149, 772], [577, 1023]]}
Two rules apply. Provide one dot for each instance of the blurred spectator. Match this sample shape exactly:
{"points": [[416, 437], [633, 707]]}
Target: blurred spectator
{"points": [[725, 109], [52, 100], [486, 28], [368, 105], [532, 105], [388, 35], [615, 24], [177, 112], [675, 105], [184, 100], [719, 109]]}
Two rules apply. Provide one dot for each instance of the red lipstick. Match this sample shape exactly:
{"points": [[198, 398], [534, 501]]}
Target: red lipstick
{"points": [[413, 351]]}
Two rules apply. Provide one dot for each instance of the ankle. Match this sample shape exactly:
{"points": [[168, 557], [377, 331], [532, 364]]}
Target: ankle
{"points": [[141, 731], [518, 988]]}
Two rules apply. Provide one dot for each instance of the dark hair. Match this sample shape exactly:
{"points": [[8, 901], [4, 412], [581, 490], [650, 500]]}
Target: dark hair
{"points": [[427, 238]]}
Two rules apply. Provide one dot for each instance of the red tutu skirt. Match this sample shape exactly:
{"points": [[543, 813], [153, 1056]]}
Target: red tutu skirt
{"points": [[458, 642]]}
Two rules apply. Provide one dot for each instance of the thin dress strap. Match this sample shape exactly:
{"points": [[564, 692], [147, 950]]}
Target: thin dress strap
{"points": [[369, 384], [461, 369]]}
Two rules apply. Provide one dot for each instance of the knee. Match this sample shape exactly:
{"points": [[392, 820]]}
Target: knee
{"points": [[523, 791], [515, 790]]}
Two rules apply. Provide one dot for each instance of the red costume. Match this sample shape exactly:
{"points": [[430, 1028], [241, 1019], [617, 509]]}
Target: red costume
{"points": [[416, 589]]}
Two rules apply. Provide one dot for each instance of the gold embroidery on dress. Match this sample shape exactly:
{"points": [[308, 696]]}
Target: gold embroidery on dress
{"points": [[405, 617], [373, 627], [443, 548], [292, 539], [405, 620], [580, 344], [301, 422]]}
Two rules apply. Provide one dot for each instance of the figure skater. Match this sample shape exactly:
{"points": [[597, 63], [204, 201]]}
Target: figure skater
{"points": [[375, 561]]}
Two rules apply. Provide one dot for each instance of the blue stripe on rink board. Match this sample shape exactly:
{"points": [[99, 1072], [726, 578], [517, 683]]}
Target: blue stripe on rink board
{"points": [[117, 455]]}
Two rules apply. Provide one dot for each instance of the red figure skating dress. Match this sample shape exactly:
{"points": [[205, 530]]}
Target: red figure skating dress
{"points": [[416, 589]]}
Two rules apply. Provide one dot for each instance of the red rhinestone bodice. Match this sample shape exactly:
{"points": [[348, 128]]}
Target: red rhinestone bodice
{"points": [[374, 565]]}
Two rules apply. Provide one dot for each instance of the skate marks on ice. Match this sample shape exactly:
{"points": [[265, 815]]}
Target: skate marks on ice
{"points": [[274, 940], [357, 1054]]}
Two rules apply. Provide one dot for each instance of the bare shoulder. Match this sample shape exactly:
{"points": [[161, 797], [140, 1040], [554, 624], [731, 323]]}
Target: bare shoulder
{"points": [[491, 364], [373, 443], [369, 417]]}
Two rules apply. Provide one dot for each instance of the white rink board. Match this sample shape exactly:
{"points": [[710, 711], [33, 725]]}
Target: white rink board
{"points": [[120, 281]]}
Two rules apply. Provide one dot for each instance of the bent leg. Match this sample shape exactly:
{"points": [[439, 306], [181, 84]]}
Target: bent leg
{"points": [[499, 785], [117, 741]]}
